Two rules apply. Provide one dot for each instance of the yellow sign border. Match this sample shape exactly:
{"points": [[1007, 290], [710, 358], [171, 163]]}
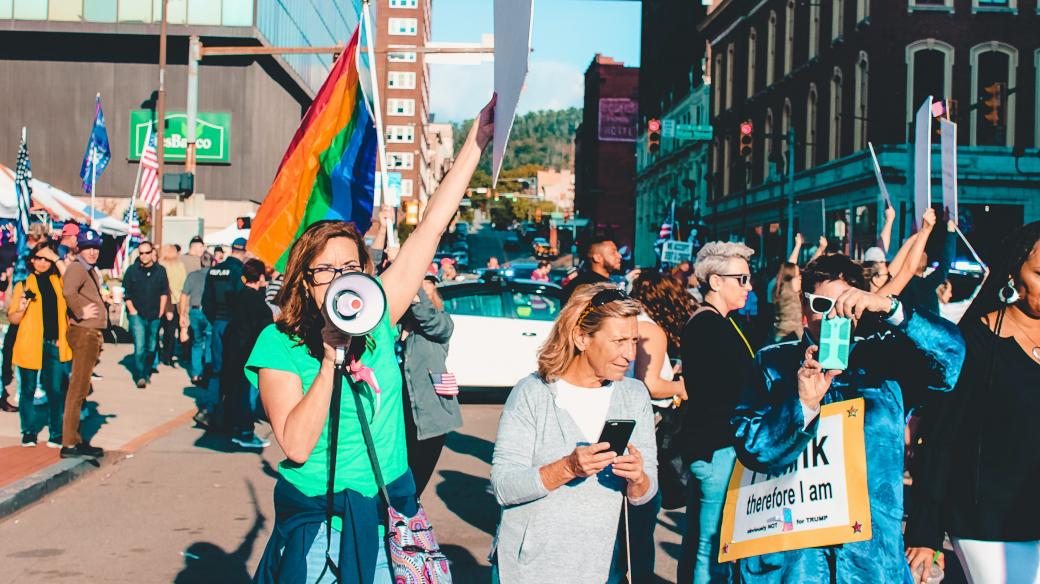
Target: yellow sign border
{"points": [[852, 412]]}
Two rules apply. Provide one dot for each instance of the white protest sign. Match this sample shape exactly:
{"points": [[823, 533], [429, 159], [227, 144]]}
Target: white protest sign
{"points": [[922, 160], [820, 499], [948, 134], [512, 49], [880, 181]]}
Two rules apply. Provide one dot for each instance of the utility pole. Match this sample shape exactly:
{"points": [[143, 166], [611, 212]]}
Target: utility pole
{"points": [[160, 128], [790, 188]]}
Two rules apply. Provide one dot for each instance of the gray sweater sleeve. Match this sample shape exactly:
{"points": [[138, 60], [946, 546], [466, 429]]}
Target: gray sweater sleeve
{"points": [[514, 477]]}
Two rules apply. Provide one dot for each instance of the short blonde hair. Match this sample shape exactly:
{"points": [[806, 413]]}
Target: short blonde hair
{"points": [[559, 350], [714, 257]]}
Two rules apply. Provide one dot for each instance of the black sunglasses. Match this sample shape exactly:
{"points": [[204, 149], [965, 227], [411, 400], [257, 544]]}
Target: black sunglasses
{"points": [[742, 279], [602, 297]]}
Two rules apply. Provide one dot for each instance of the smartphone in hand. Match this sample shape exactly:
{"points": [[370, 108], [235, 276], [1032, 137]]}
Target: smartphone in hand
{"points": [[617, 433], [835, 336]]}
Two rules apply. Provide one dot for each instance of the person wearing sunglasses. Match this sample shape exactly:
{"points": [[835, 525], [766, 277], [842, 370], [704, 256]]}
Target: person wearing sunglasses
{"points": [[41, 347], [715, 358], [914, 350], [147, 291], [561, 490]]}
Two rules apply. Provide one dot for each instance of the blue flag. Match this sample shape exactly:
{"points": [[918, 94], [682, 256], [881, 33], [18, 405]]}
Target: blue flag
{"points": [[98, 153], [23, 191]]}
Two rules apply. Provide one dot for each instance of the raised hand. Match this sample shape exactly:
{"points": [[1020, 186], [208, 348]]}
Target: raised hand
{"points": [[928, 219], [485, 123], [813, 381], [853, 302]]}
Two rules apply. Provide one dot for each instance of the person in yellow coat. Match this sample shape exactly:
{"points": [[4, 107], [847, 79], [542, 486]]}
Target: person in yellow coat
{"points": [[41, 347]]}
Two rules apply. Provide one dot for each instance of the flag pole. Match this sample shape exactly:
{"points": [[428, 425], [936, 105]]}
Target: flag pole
{"points": [[366, 20], [93, 182]]}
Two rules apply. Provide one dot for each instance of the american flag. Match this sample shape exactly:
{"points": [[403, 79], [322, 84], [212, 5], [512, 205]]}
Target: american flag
{"points": [[23, 188], [149, 191], [666, 231], [444, 384], [132, 240]]}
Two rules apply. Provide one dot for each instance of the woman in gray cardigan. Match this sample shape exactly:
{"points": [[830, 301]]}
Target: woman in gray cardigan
{"points": [[561, 492], [430, 412]]}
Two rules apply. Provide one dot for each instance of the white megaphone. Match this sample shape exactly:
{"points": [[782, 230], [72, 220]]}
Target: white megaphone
{"points": [[356, 303]]}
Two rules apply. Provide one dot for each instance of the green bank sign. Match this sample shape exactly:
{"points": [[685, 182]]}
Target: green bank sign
{"points": [[212, 135]]}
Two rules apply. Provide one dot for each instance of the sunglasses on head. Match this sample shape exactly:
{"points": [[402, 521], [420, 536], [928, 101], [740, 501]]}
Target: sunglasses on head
{"points": [[820, 304], [601, 298]]}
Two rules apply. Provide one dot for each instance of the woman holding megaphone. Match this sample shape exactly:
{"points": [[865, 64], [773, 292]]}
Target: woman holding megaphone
{"points": [[331, 497]]}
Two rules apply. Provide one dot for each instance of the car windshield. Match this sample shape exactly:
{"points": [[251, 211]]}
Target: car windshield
{"points": [[473, 302], [535, 306]]}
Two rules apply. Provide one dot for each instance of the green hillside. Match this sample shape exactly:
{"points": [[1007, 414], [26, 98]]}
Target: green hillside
{"points": [[544, 139]]}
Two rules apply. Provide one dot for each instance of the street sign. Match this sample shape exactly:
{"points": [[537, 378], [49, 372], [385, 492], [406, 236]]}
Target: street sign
{"points": [[693, 132], [212, 136], [668, 129], [676, 252]]}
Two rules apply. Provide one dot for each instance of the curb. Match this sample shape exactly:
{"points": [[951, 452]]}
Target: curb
{"points": [[34, 487], [24, 492]]}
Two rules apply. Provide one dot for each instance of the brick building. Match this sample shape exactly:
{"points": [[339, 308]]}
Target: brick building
{"points": [[604, 164], [847, 72]]}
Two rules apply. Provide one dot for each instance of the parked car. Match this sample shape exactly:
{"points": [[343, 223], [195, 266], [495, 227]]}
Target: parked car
{"points": [[520, 270], [543, 250], [499, 326]]}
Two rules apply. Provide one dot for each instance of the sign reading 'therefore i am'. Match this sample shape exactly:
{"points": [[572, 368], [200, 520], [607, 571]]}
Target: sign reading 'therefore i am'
{"points": [[820, 499]]}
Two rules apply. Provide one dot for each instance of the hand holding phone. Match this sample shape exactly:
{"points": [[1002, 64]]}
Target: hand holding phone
{"points": [[617, 433], [835, 336]]}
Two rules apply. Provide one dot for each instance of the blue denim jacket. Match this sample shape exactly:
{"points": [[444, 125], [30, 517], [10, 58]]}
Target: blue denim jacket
{"points": [[921, 352]]}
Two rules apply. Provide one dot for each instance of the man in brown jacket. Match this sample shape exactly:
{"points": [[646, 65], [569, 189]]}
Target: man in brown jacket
{"points": [[88, 316]]}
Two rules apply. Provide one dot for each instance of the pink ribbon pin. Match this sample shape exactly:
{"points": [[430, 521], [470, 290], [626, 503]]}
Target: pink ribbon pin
{"points": [[364, 373]]}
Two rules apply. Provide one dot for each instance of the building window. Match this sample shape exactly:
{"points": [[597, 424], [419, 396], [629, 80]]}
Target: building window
{"points": [[928, 66], [862, 10], [837, 19], [404, 3], [930, 5], [834, 141], [729, 76], [401, 57], [789, 38], [814, 29], [725, 166], [767, 145], [752, 41], [810, 127], [859, 109], [1009, 6], [717, 100], [785, 118], [403, 26], [993, 62], [400, 80], [400, 107], [400, 160], [406, 187], [400, 134], [771, 50]]}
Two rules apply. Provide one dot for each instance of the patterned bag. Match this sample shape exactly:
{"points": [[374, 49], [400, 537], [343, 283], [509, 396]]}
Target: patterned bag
{"points": [[412, 549]]}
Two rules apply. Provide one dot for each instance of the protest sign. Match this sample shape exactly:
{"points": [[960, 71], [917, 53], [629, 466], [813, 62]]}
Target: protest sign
{"points": [[810, 220], [512, 49], [820, 499], [948, 133], [923, 160], [880, 181]]}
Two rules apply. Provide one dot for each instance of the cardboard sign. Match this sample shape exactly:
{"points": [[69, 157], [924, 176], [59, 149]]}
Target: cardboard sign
{"points": [[676, 252], [512, 49], [811, 221], [948, 133], [923, 160], [820, 500]]}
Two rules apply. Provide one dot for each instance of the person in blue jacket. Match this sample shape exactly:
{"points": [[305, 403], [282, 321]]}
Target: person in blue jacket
{"points": [[913, 350]]}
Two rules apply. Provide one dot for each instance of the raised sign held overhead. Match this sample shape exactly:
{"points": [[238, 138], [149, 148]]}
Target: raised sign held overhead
{"points": [[512, 50]]}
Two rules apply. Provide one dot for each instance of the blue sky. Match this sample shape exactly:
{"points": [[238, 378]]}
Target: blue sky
{"points": [[566, 35]]}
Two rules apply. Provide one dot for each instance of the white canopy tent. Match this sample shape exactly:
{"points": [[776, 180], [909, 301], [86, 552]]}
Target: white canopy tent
{"points": [[60, 205], [226, 236]]}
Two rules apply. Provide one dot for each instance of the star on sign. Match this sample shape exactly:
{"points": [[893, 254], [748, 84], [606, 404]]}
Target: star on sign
{"points": [[725, 548], [857, 527], [852, 411]]}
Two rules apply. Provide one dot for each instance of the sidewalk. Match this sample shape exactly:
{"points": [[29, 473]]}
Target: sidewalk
{"points": [[122, 419]]}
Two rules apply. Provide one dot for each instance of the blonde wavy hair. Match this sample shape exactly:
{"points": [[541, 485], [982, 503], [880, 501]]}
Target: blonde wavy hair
{"points": [[559, 350]]}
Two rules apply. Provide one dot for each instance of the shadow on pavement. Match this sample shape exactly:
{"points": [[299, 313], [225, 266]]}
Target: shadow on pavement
{"points": [[484, 395], [465, 567], [469, 498], [205, 562], [474, 446], [89, 426]]}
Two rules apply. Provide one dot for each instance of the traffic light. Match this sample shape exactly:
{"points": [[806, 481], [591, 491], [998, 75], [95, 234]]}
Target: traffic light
{"points": [[653, 135], [996, 103], [746, 139]]}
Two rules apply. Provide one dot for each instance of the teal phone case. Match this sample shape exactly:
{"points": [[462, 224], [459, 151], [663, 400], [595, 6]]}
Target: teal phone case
{"points": [[835, 334]]}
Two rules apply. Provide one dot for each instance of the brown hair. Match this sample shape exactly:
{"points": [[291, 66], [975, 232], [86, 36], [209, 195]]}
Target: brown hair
{"points": [[666, 301], [301, 317], [559, 349], [787, 273]]}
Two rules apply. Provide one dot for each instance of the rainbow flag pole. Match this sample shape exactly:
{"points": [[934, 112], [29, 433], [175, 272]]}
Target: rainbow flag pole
{"points": [[366, 19], [328, 170]]}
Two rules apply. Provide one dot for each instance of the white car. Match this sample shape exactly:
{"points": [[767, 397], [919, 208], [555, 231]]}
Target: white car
{"points": [[499, 326]]}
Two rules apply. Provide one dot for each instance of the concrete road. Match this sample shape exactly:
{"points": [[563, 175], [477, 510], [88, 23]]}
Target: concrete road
{"points": [[189, 508]]}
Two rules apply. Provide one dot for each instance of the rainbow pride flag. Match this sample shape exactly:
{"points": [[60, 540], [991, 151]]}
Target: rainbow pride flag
{"points": [[328, 171]]}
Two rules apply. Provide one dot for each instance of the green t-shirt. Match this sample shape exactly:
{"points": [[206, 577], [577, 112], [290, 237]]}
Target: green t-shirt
{"points": [[276, 350]]}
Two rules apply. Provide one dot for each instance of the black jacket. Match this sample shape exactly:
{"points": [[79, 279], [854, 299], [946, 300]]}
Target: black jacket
{"points": [[224, 278], [144, 287]]}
